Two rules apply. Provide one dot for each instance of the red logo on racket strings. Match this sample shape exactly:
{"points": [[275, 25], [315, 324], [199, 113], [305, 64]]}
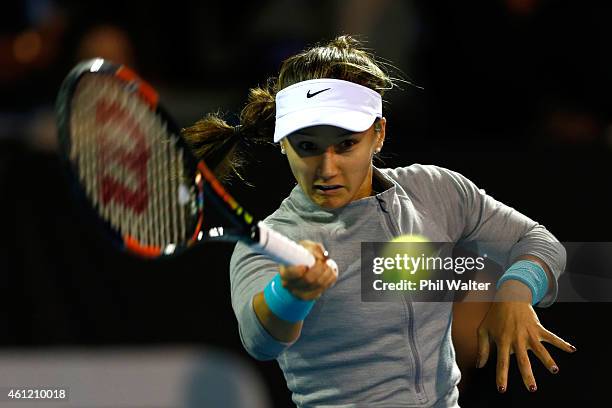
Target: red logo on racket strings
{"points": [[134, 159]]}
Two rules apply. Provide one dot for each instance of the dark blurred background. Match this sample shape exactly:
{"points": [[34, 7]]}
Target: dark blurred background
{"points": [[515, 95]]}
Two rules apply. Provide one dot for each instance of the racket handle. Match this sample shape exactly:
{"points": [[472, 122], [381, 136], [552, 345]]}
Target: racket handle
{"points": [[284, 250]]}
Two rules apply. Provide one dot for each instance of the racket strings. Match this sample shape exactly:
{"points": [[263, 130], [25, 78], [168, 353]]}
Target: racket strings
{"points": [[130, 165]]}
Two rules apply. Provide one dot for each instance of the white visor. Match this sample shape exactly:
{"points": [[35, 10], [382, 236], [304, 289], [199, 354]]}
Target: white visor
{"points": [[326, 101]]}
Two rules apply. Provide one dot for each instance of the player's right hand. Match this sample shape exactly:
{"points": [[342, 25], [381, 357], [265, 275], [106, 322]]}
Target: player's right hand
{"points": [[309, 283]]}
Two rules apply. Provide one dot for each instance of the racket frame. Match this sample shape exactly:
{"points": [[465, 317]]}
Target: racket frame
{"points": [[244, 227]]}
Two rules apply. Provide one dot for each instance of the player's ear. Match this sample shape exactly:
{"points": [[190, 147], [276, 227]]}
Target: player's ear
{"points": [[283, 149], [380, 129]]}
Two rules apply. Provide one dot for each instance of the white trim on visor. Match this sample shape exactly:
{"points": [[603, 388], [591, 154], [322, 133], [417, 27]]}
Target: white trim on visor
{"points": [[326, 101]]}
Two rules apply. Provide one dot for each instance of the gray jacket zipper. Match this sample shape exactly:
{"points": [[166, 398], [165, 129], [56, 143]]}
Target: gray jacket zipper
{"points": [[408, 305]]}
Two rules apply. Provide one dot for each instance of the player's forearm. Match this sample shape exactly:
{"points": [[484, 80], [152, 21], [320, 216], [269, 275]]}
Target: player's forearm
{"points": [[280, 329]]}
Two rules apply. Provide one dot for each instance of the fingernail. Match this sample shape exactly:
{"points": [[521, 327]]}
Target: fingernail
{"points": [[533, 388], [501, 388], [554, 369], [573, 348]]}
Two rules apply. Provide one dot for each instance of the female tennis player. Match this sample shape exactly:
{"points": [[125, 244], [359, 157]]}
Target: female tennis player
{"points": [[325, 110]]}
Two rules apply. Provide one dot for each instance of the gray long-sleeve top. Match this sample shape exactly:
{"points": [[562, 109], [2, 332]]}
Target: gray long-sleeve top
{"points": [[352, 353]]}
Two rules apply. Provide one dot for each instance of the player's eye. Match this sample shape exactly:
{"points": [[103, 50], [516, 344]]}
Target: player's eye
{"points": [[307, 146], [347, 144]]}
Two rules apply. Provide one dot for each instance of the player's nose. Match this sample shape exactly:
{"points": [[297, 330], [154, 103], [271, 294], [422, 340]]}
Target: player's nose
{"points": [[328, 167]]}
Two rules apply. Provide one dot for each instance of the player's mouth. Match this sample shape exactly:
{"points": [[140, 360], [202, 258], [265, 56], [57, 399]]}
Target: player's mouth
{"points": [[327, 189]]}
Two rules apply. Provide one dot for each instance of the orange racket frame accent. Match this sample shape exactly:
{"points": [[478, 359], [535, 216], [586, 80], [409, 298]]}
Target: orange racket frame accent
{"points": [[146, 91]]}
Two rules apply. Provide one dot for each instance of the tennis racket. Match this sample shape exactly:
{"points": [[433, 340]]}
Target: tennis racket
{"points": [[127, 159]]}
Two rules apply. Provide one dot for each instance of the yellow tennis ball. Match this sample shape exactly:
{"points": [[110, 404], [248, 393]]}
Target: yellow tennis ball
{"points": [[408, 258], [410, 238]]}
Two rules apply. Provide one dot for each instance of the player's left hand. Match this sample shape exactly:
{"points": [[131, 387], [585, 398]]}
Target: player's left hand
{"points": [[512, 324]]}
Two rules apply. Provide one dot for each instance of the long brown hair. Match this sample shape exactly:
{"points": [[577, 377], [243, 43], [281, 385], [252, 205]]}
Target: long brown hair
{"points": [[343, 58]]}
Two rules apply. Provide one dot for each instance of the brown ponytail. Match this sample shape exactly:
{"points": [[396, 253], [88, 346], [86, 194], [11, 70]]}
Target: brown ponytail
{"points": [[222, 145]]}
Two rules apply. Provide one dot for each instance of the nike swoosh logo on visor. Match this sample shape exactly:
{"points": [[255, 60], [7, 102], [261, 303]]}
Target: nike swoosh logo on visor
{"points": [[310, 95]]}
